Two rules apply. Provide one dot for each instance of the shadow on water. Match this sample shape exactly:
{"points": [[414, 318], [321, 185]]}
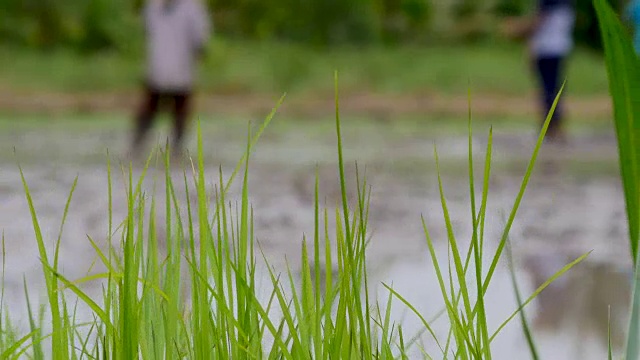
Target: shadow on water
{"points": [[569, 319], [579, 302]]}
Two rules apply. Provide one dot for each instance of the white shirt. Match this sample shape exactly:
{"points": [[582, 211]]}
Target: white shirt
{"points": [[554, 36], [174, 36]]}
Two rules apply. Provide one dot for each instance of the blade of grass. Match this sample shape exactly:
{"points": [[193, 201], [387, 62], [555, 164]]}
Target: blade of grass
{"points": [[457, 260], [87, 300], [253, 142], [64, 218], [38, 354], [9, 353], [415, 311], [609, 347], [523, 318], [538, 291], [59, 342], [476, 249], [623, 68], [343, 188], [520, 196], [317, 324]]}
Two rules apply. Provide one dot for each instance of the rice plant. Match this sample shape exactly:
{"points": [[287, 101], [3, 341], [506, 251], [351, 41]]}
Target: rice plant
{"points": [[623, 68], [197, 297]]}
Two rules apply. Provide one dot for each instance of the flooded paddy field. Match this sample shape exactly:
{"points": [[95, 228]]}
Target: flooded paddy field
{"points": [[573, 204]]}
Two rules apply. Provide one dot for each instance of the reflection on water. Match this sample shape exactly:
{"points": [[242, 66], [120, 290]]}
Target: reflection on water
{"points": [[569, 319], [579, 303]]}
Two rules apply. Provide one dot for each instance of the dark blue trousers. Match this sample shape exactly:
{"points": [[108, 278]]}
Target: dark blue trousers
{"points": [[550, 70]]}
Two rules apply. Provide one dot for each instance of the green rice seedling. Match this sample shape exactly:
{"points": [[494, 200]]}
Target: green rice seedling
{"points": [[609, 347], [60, 341], [194, 294], [623, 69], [9, 342], [339, 322], [469, 336], [37, 346]]}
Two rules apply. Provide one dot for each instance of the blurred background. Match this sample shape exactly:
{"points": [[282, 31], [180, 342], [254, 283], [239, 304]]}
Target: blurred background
{"points": [[70, 80], [409, 47], [101, 25]]}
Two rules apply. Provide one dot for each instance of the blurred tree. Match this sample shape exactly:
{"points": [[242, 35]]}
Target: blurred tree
{"points": [[587, 32], [470, 20], [465, 9], [49, 23], [355, 21], [405, 19], [14, 22], [96, 25], [318, 21], [96, 21], [512, 7]]}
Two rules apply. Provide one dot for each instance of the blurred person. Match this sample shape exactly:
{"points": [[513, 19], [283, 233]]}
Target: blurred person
{"points": [[550, 40], [550, 44], [177, 32], [632, 14]]}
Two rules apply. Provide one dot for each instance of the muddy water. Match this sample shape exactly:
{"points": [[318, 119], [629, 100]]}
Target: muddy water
{"points": [[573, 205]]}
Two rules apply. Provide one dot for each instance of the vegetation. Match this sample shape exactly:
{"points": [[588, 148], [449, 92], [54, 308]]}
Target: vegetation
{"points": [[144, 311], [244, 68], [624, 78], [89, 26]]}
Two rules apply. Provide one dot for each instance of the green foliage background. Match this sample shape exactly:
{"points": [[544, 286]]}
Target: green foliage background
{"points": [[95, 25]]}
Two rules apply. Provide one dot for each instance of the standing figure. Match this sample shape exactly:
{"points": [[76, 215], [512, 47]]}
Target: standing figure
{"points": [[550, 43], [177, 32]]}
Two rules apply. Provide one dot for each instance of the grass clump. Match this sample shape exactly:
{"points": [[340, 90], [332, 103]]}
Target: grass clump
{"points": [[194, 293]]}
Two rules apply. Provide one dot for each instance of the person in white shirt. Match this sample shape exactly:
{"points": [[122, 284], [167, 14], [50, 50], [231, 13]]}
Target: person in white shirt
{"points": [[177, 32], [550, 43]]}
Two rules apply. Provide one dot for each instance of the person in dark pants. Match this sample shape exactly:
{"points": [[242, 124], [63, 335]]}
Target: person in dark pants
{"points": [[548, 69], [177, 32], [550, 42]]}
